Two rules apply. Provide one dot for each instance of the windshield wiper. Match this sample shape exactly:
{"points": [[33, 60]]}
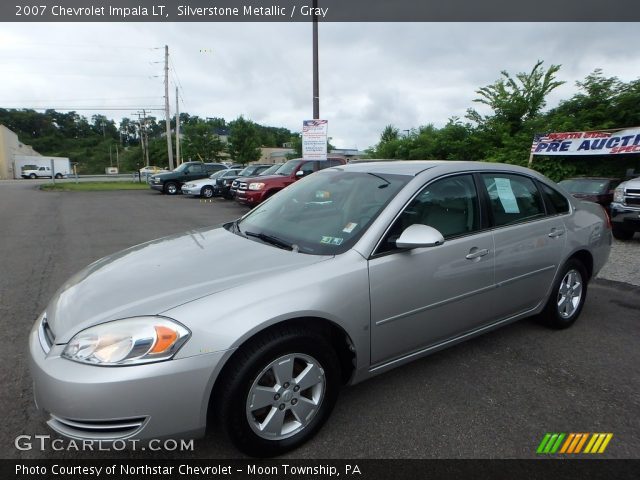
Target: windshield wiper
{"points": [[272, 240]]}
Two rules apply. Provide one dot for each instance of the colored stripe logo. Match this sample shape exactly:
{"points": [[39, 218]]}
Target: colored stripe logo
{"points": [[572, 443]]}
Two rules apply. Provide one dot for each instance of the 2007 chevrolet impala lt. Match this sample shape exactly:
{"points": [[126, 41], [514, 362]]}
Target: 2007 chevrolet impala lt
{"points": [[347, 273]]}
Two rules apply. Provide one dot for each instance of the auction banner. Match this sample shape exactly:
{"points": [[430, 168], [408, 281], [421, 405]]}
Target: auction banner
{"points": [[314, 139], [607, 142]]}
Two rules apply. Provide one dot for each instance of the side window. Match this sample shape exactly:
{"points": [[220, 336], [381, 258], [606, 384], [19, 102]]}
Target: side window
{"points": [[308, 167], [334, 163], [514, 198], [449, 205], [558, 203], [196, 169]]}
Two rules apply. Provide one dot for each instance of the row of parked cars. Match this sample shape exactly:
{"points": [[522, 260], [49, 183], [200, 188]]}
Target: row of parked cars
{"points": [[249, 185]]}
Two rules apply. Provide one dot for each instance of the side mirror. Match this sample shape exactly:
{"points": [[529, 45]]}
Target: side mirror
{"points": [[299, 174], [418, 236]]}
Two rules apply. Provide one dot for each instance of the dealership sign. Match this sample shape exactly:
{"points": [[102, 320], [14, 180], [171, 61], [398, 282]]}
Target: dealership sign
{"points": [[314, 139], [608, 142]]}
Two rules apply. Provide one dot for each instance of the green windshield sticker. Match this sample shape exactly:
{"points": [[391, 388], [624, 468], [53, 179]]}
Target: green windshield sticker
{"points": [[331, 240]]}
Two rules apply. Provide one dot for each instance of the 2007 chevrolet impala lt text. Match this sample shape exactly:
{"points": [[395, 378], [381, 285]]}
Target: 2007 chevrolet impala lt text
{"points": [[350, 272]]}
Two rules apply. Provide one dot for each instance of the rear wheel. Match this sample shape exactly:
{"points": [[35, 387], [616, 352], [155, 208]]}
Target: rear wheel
{"points": [[622, 233], [567, 296], [278, 391], [207, 191], [58, 175], [171, 188], [33, 176]]}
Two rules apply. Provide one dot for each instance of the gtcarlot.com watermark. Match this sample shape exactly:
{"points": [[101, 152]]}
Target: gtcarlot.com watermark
{"points": [[46, 443]]}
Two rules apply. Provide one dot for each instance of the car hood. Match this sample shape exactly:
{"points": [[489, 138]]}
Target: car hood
{"points": [[151, 278], [272, 178]]}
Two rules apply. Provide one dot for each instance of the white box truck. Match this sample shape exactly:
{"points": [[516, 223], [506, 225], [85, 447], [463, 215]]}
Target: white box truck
{"points": [[40, 167]]}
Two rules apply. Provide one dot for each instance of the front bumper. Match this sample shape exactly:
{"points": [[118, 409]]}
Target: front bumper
{"points": [[155, 400], [156, 186], [625, 217], [249, 197], [191, 191]]}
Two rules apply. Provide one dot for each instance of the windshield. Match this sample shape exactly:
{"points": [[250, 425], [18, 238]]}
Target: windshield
{"points": [[323, 214], [213, 176], [288, 168], [181, 167], [270, 171], [584, 185]]}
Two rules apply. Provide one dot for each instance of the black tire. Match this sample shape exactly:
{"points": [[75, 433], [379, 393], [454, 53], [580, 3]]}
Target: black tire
{"points": [[33, 176], [171, 188], [58, 175], [622, 233], [563, 309], [207, 191], [231, 397]]}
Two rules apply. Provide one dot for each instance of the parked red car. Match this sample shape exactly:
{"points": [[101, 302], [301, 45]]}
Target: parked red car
{"points": [[253, 191], [592, 189]]}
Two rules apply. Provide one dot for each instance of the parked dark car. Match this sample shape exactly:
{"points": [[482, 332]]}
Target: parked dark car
{"points": [[255, 192], [592, 189], [171, 182], [224, 184]]}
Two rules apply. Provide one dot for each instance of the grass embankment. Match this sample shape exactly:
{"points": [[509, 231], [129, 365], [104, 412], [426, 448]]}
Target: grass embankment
{"points": [[94, 186]]}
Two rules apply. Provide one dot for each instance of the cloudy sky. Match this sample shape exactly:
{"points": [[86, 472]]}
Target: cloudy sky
{"points": [[371, 74]]}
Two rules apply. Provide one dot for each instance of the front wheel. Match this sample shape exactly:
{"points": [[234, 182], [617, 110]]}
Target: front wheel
{"points": [[207, 191], [278, 391], [58, 175], [171, 188], [567, 296], [33, 176]]}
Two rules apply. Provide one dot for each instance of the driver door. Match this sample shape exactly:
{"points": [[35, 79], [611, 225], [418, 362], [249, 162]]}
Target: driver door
{"points": [[424, 296]]}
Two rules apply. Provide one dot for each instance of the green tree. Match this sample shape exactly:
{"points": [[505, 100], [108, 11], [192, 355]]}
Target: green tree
{"points": [[516, 100], [201, 142], [244, 141]]}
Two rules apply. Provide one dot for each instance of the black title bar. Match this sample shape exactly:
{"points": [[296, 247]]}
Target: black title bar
{"points": [[327, 11]]}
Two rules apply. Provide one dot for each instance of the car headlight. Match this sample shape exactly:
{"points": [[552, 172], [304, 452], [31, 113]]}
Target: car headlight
{"points": [[256, 186], [129, 341], [618, 195]]}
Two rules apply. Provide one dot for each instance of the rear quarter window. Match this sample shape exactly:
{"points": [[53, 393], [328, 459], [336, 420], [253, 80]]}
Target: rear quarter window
{"points": [[556, 202]]}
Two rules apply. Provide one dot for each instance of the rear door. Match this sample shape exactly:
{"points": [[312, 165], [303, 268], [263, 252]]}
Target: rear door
{"points": [[529, 242]]}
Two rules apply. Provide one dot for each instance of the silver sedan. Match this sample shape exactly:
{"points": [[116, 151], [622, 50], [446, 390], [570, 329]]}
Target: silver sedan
{"points": [[347, 273]]}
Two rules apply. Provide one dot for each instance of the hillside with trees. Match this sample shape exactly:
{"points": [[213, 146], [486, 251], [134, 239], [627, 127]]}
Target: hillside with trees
{"points": [[99, 142]]}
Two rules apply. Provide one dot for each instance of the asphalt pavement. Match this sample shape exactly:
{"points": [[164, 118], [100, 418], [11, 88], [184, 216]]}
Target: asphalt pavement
{"points": [[491, 397]]}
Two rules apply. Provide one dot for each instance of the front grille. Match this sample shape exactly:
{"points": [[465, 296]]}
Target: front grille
{"points": [[243, 186], [632, 201], [633, 191], [97, 429]]}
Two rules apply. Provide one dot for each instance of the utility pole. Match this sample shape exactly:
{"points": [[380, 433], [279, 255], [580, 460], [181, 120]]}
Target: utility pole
{"points": [[316, 82], [166, 105], [178, 162]]}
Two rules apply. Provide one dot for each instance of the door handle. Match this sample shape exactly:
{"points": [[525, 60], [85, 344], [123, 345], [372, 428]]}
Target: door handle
{"points": [[476, 254], [556, 232]]}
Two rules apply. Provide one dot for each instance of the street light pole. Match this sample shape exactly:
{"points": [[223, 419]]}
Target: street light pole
{"points": [[316, 82]]}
